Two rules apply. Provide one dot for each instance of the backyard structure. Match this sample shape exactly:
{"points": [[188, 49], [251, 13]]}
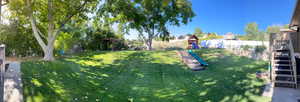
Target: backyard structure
{"points": [[285, 48], [283, 60], [191, 59], [193, 42]]}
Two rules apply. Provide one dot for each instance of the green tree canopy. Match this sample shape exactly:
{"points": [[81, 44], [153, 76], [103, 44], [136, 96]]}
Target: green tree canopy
{"points": [[273, 29], [48, 17], [149, 17], [252, 31], [198, 32]]}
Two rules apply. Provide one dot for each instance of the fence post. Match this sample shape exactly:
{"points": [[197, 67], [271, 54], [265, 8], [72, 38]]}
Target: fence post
{"points": [[2, 69]]}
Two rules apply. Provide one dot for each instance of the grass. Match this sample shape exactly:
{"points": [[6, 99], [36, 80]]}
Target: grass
{"points": [[150, 76]]}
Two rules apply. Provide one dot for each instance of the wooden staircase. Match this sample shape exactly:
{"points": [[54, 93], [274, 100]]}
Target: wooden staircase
{"points": [[283, 63]]}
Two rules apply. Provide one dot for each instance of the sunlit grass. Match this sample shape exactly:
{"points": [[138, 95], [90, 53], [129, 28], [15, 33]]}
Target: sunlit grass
{"points": [[146, 76]]}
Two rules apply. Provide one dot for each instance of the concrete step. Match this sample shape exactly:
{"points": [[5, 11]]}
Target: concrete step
{"points": [[282, 65], [282, 75], [282, 70], [285, 82], [281, 50], [277, 60]]}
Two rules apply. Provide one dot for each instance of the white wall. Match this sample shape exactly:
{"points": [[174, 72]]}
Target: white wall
{"points": [[229, 44]]}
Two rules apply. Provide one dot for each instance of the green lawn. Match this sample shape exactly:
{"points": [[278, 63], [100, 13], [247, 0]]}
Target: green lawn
{"points": [[143, 76]]}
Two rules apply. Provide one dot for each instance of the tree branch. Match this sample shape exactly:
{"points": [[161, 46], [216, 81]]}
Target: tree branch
{"points": [[69, 16], [34, 27], [41, 34]]}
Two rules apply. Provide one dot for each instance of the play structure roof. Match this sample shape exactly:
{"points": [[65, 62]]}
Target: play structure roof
{"points": [[193, 37]]}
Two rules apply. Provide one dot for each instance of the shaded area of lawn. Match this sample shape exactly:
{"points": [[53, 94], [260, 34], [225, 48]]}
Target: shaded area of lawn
{"points": [[130, 76]]}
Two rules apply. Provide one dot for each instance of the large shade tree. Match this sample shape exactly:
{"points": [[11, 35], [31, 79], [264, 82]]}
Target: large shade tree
{"points": [[48, 17], [149, 17]]}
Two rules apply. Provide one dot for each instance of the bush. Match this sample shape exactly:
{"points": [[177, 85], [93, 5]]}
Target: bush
{"points": [[19, 40], [135, 45], [90, 38], [260, 49], [246, 47], [171, 45]]}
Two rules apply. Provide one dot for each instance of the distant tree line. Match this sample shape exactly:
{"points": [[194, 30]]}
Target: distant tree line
{"points": [[252, 32]]}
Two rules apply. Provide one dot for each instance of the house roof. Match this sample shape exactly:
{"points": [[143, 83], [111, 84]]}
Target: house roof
{"points": [[296, 15]]}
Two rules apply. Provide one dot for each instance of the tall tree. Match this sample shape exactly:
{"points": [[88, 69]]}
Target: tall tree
{"points": [[48, 17], [198, 32], [252, 31], [274, 29], [148, 17]]}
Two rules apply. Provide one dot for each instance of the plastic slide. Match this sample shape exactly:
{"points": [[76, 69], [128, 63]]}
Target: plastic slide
{"points": [[202, 62]]}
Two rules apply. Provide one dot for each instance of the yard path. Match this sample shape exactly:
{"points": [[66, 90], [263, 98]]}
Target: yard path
{"points": [[12, 83]]}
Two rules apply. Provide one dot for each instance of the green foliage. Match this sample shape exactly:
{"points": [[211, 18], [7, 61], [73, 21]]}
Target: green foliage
{"points": [[135, 45], [161, 39], [104, 40], [19, 40], [246, 47], [252, 31], [93, 37], [260, 49], [48, 17], [148, 17], [273, 29], [198, 32], [211, 36]]}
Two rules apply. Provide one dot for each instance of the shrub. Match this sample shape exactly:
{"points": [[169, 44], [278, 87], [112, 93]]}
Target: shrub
{"points": [[260, 49], [246, 47], [19, 40], [171, 45]]}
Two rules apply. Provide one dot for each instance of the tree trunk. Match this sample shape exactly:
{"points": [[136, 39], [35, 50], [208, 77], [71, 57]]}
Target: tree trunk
{"points": [[52, 33], [48, 53], [149, 44]]}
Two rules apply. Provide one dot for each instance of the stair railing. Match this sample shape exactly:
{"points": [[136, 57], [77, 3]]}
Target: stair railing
{"points": [[292, 58], [274, 37]]}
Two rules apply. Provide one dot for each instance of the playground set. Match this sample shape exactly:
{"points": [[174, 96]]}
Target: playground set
{"points": [[190, 58]]}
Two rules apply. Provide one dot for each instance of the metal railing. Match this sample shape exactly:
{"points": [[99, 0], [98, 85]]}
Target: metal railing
{"points": [[293, 59]]}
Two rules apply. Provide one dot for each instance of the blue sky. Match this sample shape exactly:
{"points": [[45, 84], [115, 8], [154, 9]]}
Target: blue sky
{"points": [[222, 16]]}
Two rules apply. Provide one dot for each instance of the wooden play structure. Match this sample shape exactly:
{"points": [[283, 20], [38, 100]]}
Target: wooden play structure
{"points": [[190, 58], [285, 54], [193, 39]]}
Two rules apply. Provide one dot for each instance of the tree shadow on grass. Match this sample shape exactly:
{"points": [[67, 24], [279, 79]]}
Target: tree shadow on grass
{"points": [[139, 77]]}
